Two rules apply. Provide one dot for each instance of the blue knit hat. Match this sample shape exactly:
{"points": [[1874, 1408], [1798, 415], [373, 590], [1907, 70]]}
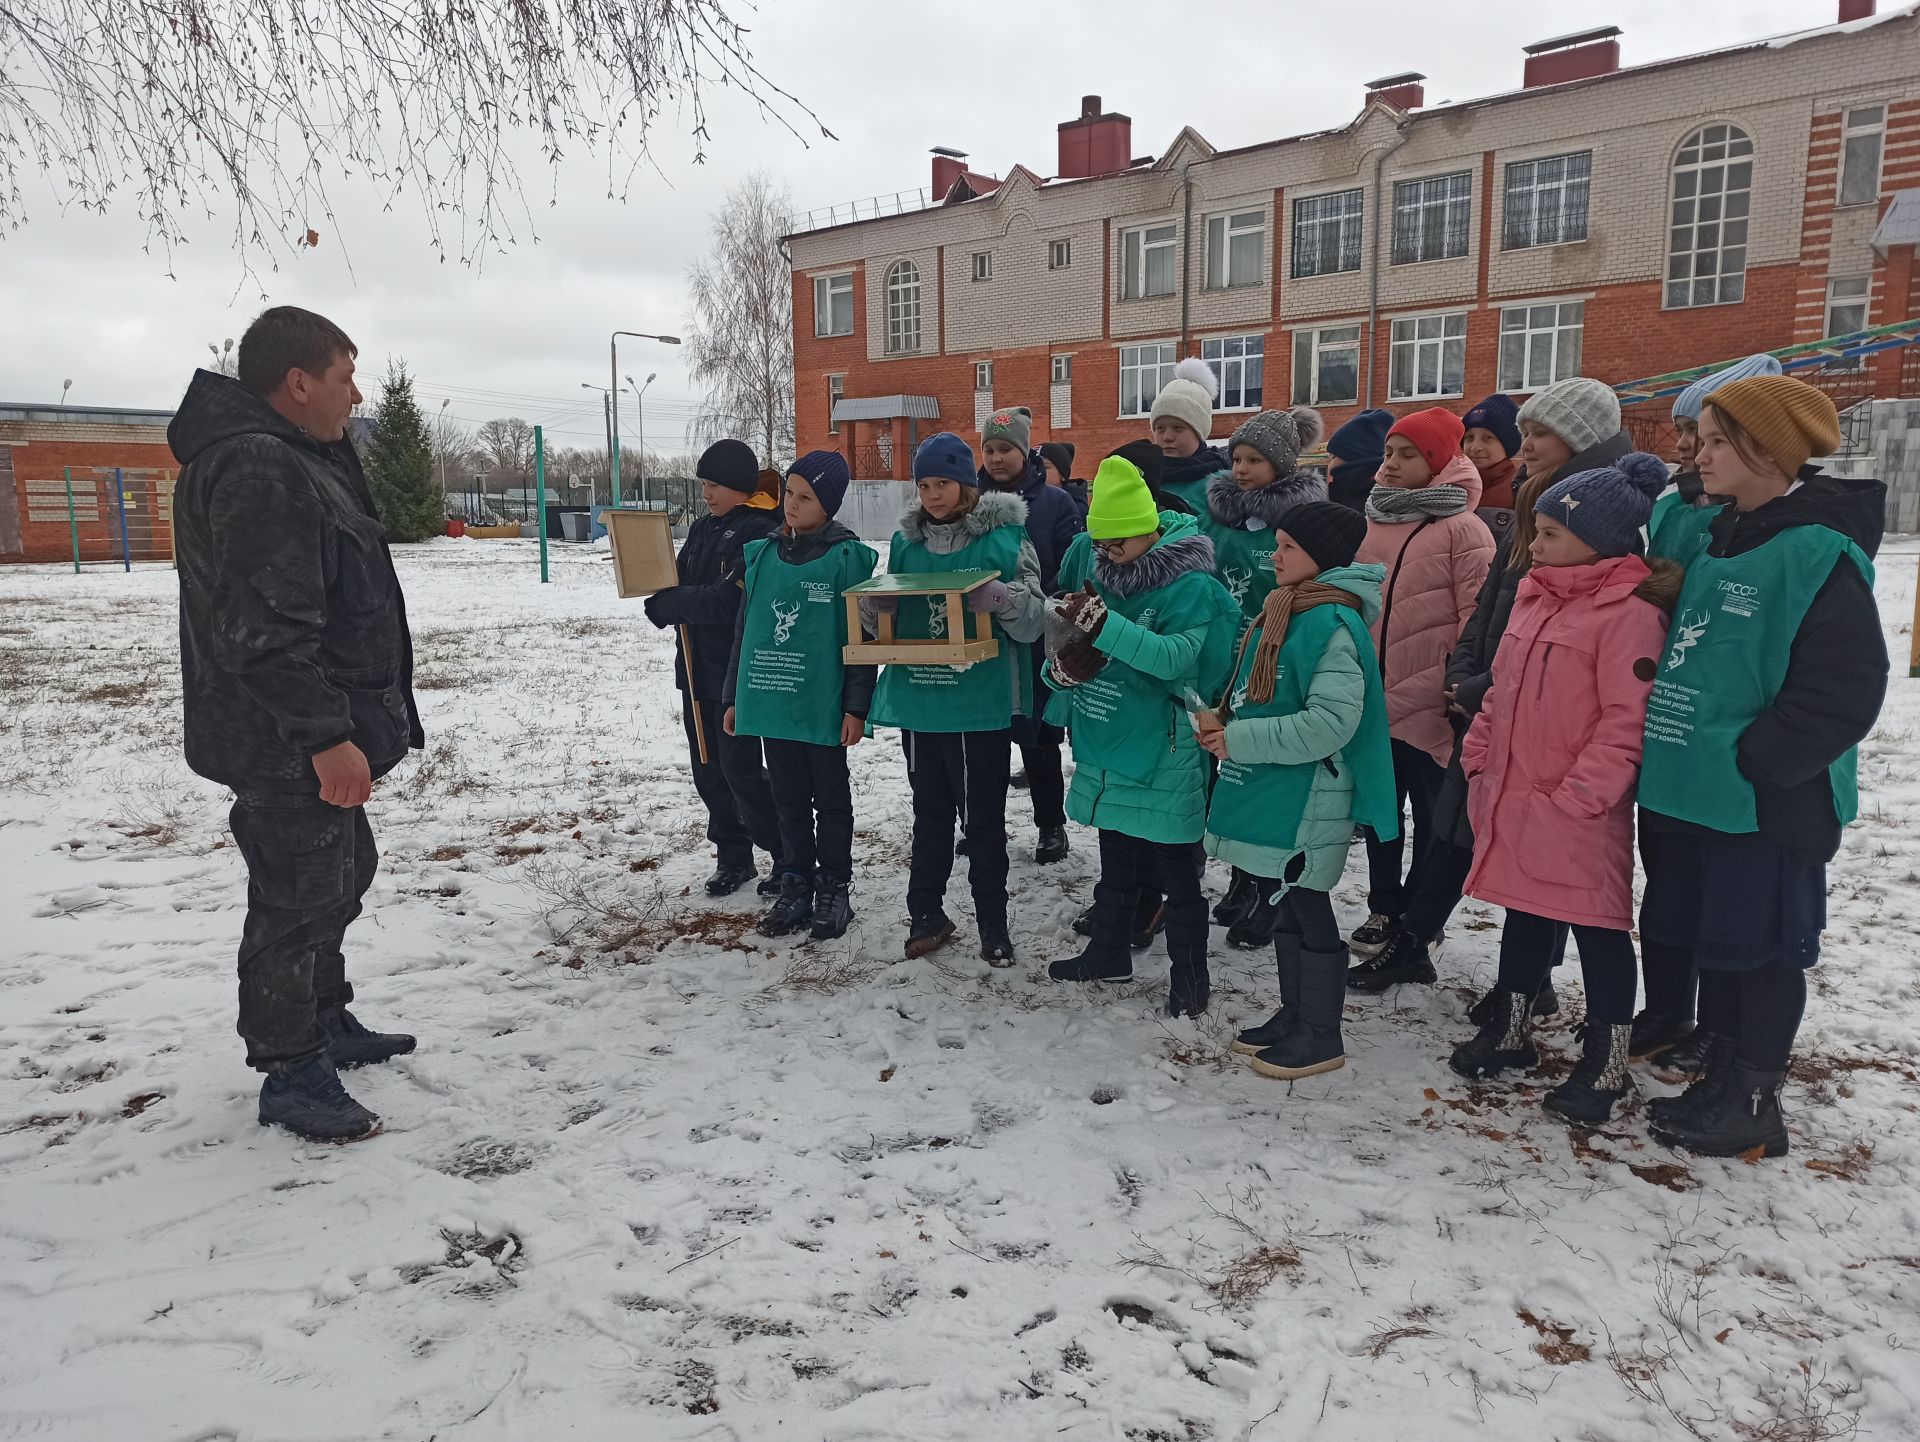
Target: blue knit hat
{"points": [[945, 457], [826, 472], [1364, 438], [1607, 508], [1686, 405], [1500, 416]]}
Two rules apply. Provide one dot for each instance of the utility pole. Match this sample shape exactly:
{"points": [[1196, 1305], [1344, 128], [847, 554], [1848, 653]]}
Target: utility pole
{"points": [[640, 410], [443, 451]]}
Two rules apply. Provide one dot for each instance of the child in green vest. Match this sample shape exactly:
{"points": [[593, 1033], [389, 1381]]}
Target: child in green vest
{"points": [[1305, 757], [787, 684], [1152, 625], [956, 722], [1773, 674]]}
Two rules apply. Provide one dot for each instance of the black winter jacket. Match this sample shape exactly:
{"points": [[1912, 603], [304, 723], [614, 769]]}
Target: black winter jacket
{"points": [[856, 684], [293, 631], [1836, 672], [707, 600]]}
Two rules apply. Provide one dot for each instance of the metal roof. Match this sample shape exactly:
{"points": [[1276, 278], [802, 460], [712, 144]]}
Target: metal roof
{"points": [[881, 408], [1901, 224], [81, 415]]}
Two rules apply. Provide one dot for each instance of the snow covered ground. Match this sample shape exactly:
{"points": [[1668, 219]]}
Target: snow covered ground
{"points": [[649, 1176]]}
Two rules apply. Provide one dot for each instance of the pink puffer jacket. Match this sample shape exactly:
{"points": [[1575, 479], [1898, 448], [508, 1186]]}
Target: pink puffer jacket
{"points": [[1434, 571], [1552, 813]]}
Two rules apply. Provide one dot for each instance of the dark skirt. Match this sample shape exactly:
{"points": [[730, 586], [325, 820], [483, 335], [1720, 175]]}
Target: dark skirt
{"points": [[1737, 904]]}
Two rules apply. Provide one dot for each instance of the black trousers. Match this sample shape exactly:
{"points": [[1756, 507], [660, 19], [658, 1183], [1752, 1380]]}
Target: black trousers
{"points": [[813, 798], [1309, 916], [1046, 782], [1436, 889], [1416, 781], [959, 778], [308, 867], [733, 784], [1129, 865], [1759, 1010], [1528, 947]]}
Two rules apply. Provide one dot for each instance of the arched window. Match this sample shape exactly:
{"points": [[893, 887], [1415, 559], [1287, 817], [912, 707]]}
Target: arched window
{"points": [[1707, 244], [903, 308]]}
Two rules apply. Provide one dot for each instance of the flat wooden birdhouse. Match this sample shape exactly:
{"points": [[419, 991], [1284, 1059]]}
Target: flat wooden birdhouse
{"points": [[642, 551], [955, 648]]}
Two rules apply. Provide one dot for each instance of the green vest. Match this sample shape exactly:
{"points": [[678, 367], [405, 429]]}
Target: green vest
{"points": [[1726, 658], [1192, 493], [1262, 805], [1677, 531], [795, 627], [985, 696], [1243, 560], [1123, 720]]}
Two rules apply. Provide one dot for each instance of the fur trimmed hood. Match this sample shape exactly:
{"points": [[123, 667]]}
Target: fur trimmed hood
{"points": [[1662, 588], [1233, 507], [993, 510], [1170, 559]]}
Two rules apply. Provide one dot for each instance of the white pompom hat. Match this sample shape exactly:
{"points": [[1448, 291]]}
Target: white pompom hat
{"points": [[1188, 397]]}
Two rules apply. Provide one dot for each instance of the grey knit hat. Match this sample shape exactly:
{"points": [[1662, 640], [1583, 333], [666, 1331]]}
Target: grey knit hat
{"points": [[1606, 508], [1581, 411], [1280, 436], [1012, 424]]}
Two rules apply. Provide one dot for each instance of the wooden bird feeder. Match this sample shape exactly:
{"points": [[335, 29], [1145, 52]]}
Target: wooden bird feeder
{"points": [[955, 648], [642, 551]]}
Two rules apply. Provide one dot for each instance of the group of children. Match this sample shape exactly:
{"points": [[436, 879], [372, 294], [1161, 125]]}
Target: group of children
{"points": [[1501, 633]]}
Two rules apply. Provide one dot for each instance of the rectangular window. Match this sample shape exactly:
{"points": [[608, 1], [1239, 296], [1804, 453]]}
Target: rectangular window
{"points": [[1147, 261], [836, 392], [1429, 358], [1540, 344], [983, 375], [1431, 218], [1546, 202], [1062, 369], [1059, 254], [1240, 362], [1326, 366], [983, 265], [1865, 133], [1235, 244], [1144, 370], [833, 305], [1326, 233], [1848, 299]]}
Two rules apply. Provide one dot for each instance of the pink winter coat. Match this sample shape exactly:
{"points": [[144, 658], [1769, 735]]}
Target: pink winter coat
{"points": [[1553, 815], [1434, 571]]}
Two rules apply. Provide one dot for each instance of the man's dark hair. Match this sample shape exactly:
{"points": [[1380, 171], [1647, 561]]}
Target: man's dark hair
{"points": [[288, 338]]}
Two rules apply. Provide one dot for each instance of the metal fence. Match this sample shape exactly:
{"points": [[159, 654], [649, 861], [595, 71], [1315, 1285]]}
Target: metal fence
{"points": [[112, 515]]}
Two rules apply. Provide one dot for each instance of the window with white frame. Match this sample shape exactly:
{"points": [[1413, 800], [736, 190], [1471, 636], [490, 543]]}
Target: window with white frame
{"points": [[1429, 357], [1707, 242], [1240, 363], [1062, 369], [1144, 371], [1326, 366], [833, 304], [836, 392], [903, 308], [983, 265], [983, 375], [1147, 259], [1432, 218], [1863, 134], [1540, 344], [1235, 249], [1546, 201], [1059, 254], [1848, 300], [1326, 233]]}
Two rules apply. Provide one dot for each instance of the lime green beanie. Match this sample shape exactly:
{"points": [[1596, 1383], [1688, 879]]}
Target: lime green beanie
{"points": [[1122, 506]]}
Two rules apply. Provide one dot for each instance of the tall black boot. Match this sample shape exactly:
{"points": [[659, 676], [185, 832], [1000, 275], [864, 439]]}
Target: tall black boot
{"points": [[1586, 1098], [1312, 1043], [1256, 1039], [1716, 1068], [1189, 984], [1107, 956], [1743, 1116], [1504, 1039]]}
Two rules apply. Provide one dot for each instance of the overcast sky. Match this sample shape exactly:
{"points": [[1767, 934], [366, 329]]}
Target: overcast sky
{"points": [[79, 299]]}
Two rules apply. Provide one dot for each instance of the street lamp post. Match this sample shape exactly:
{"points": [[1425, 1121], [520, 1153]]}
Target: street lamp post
{"points": [[640, 413], [443, 451], [613, 378], [610, 414]]}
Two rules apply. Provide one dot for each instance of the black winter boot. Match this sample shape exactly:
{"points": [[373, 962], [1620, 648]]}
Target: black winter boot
{"points": [[1742, 1116], [1402, 961], [307, 1099], [1107, 956], [832, 910], [1586, 1098], [928, 933], [1053, 846], [1503, 1042], [1546, 1003], [1240, 895], [1370, 935], [1702, 1092], [996, 937], [1254, 929], [727, 879], [1189, 984], [1256, 1039], [1312, 1043], [1686, 1057], [349, 1044], [793, 910], [1655, 1031]]}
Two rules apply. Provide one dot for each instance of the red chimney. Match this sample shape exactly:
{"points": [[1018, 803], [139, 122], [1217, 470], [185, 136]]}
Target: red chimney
{"points": [[1402, 92], [1098, 143], [1851, 10], [948, 166], [1573, 57]]}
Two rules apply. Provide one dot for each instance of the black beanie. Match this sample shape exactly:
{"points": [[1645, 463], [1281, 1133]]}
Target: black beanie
{"points": [[1060, 454], [1146, 457], [1329, 533], [731, 464]]}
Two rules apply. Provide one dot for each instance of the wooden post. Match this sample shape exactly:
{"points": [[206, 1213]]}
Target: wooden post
{"points": [[1913, 654], [693, 700]]}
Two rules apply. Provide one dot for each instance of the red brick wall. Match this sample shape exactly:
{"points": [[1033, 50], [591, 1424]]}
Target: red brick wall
{"points": [[99, 539]]}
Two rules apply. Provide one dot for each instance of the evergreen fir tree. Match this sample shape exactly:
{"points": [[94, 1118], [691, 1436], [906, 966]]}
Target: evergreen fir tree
{"points": [[399, 463]]}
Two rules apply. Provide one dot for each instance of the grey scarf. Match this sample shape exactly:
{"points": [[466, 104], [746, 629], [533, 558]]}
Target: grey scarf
{"points": [[1393, 507], [1265, 507], [1161, 566]]}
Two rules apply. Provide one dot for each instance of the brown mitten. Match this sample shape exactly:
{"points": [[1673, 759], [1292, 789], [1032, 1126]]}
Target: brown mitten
{"points": [[1085, 610]]}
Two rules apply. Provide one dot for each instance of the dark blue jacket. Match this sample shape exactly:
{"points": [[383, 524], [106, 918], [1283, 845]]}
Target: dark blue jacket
{"points": [[1053, 517]]}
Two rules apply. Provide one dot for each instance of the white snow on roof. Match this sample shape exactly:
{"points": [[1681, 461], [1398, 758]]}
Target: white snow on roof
{"points": [[1850, 27]]}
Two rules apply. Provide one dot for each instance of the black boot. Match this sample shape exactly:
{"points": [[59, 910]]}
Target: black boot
{"points": [[1312, 1043], [1545, 1003], [1686, 1057], [1018, 781], [1655, 1031], [728, 878], [1702, 1093], [793, 910], [1742, 1116], [1149, 920], [1240, 896], [349, 1044], [928, 933], [307, 1099], [1107, 956], [1254, 929], [832, 910], [1189, 985], [1370, 935], [1586, 1098], [1254, 1040], [1053, 846], [1503, 1042], [1401, 961], [996, 937]]}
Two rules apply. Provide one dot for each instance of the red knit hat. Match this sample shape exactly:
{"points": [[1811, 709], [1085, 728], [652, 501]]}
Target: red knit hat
{"points": [[1435, 433]]}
